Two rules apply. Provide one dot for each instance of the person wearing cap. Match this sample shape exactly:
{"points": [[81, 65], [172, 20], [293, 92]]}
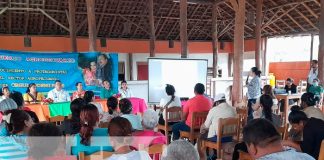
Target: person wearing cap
{"points": [[221, 109], [317, 90]]}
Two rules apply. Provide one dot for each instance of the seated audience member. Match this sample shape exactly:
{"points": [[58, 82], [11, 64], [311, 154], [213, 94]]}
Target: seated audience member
{"points": [[221, 109], [79, 93], [32, 96], [180, 150], [170, 101], [112, 103], [18, 98], [148, 136], [308, 103], [13, 145], [267, 90], [106, 91], [90, 138], [58, 94], [312, 130], [7, 104], [125, 91], [126, 108], [317, 90], [89, 98], [265, 108], [199, 103], [72, 126], [46, 143], [264, 142], [290, 86], [5, 93], [266, 113], [120, 132]]}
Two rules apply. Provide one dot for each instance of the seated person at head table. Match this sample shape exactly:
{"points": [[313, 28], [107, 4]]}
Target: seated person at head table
{"points": [[264, 142], [45, 142], [125, 91], [90, 139], [79, 93], [148, 136], [5, 93], [317, 90], [126, 109], [308, 105], [312, 130], [290, 86], [120, 131], [170, 101], [112, 104], [58, 94], [17, 123], [209, 129], [199, 103], [32, 96], [106, 91]]}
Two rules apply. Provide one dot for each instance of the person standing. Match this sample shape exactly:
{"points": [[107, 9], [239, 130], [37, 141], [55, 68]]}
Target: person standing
{"points": [[58, 94], [313, 73], [254, 89]]}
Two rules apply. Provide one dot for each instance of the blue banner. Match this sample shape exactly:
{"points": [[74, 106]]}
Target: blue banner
{"points": [[18, 69]]}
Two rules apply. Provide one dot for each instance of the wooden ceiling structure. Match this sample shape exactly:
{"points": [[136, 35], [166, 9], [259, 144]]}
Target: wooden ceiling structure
{"points": [[129, 19]]}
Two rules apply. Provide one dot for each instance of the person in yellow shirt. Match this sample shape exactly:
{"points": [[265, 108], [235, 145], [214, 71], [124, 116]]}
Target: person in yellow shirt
{"points": [[32, 96]]}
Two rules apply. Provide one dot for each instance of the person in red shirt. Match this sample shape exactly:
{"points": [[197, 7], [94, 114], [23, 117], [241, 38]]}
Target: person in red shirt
{"points": [[199, 103]]}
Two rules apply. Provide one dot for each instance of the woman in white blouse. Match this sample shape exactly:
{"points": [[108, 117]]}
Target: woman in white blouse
{"points": [[125, 91], [170, 101]]}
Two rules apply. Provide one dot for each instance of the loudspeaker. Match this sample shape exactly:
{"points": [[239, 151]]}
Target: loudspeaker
{"points": [[103, 42], [171, 43], [27, 42], [222, 45]]}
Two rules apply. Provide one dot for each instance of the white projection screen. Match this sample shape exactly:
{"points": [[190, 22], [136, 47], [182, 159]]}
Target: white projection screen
{"points": [[183, 74]]}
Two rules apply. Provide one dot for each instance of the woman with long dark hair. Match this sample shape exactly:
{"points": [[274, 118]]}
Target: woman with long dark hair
{"points": [[170, 101], [308, 103], [126, 109], [72, 126], [112, 104], [32, 96], [89, 99], [90, 138], [17, 123], [254, 89]]}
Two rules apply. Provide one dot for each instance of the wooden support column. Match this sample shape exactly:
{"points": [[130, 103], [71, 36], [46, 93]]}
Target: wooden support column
{"points": [[258, 39], [72, 26], [311, 48], [130, 66], [183, 28], [91, 25], [265, 61], [230, 64], [152, 28], [214, 40], [321, 45], [239, 8]]}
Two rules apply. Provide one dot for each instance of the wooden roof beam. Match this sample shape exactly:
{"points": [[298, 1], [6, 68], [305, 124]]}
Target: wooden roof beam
{"points": [[26, 18], [283, 14], [288, 4], [194, 26], [53, 19], [9, 17], [165, 20], [101, 17], [202, 1], [310, 11], [42, 19], [292, 19], [307, 20], [114, 20], [126, 19]]}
